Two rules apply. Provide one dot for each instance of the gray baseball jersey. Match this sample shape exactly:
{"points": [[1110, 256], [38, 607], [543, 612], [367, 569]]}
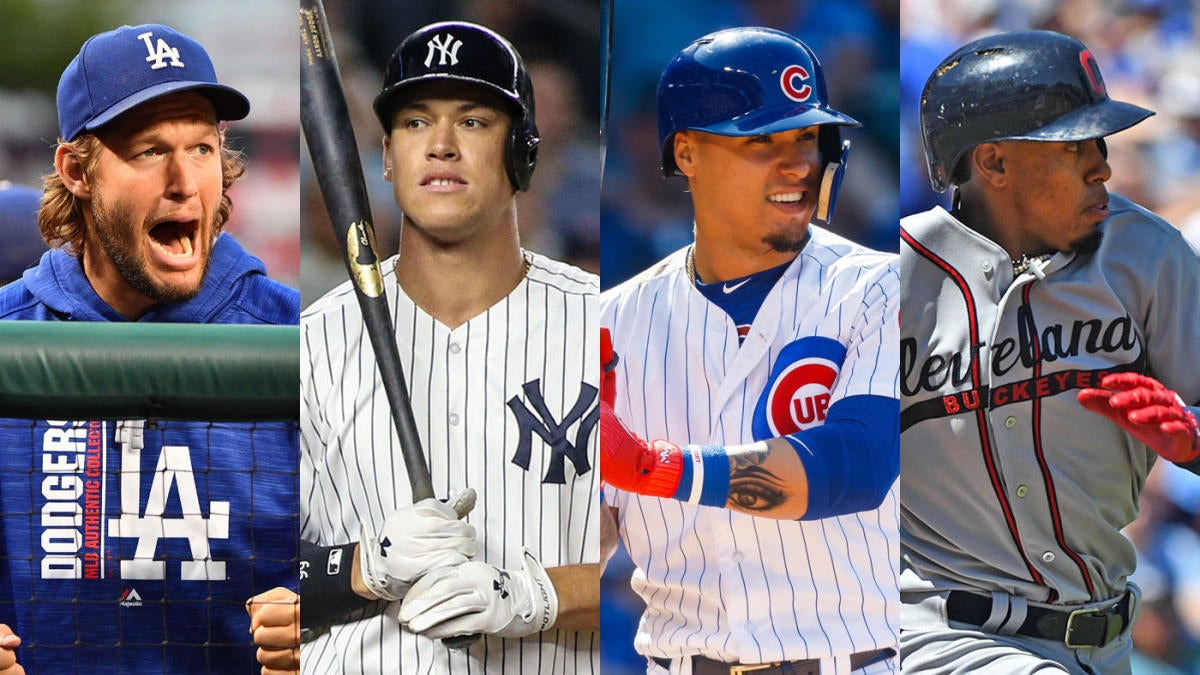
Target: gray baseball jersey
{"points": [[507, 404], [1009, 485]]}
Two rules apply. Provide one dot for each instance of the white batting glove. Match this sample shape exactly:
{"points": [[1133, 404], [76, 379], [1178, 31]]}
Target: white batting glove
{"points": [[478, 598], [415, 539]]}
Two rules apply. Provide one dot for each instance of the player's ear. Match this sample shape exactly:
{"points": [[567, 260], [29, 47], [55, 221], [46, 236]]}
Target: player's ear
{"points": [[70, 170], [685, 147], [387, 160], [988, 163]]}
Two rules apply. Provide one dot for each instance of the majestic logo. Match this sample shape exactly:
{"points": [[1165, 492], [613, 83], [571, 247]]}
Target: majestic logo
{"points": [[130, 598], [541, 421], [787, 81], [160, 52], [446, 47], [800, 388]]}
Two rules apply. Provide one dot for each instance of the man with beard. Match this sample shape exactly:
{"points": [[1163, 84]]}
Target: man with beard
{"points": [[764, 528], [184, 521], [1046, 327]]}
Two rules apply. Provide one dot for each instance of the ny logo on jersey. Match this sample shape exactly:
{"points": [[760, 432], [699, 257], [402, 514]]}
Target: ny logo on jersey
{"points": [[541, 421], [160, 52], [446, 47]]}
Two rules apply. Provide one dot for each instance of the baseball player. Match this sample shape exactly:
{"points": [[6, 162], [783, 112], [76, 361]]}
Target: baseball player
{"points": [[499, 348], [128, 547], [1048, 333], [764, 528]]}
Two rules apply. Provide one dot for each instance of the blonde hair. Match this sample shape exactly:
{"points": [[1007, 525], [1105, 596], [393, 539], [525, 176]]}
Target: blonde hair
{"points": [[60, 217]]}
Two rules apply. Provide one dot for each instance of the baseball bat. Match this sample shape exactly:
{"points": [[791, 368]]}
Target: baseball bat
{"points": [[325, 119]]}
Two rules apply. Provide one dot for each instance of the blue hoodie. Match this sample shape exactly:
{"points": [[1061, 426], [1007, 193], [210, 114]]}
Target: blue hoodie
{"points": [[236, 290], [132, 547]]}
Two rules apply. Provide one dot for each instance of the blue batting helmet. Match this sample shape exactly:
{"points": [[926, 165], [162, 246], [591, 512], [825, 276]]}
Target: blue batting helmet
{"points": [[748, 82]]}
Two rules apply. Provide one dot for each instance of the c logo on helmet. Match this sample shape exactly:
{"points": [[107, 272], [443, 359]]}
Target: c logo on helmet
{"points": [[1093, 71], [787, 83], [799, 397]]}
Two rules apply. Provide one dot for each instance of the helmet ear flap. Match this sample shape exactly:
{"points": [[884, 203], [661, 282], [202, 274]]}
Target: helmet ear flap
{"points": [[520, 153], [834, 153]]}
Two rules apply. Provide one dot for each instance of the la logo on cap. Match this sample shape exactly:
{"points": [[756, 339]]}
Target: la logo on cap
{"points": [[160, 53]]}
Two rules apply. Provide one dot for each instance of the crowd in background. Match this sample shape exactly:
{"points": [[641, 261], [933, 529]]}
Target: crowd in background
{"points": [[1149, 54]]}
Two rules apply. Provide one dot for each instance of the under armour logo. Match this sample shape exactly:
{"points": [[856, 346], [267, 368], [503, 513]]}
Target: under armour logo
{"points": [[500, 585], [383, 546], [554, 433], [446, 47], [160, 52]]}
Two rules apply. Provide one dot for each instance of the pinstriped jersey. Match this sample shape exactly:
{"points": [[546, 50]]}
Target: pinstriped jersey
{"points": [[724, 584], [507, 404], [1016, 487]]}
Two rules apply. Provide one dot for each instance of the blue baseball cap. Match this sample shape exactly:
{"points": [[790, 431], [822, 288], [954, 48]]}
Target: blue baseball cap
{"points": [[123, 68]]}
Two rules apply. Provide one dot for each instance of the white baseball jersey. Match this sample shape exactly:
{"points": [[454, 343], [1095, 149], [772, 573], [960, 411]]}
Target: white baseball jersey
{"points": [[1011, 485], [507, 404], [727, 585]]}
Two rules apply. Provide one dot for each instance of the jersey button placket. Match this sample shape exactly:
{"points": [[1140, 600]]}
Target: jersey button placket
{"points": [[456, 361]]}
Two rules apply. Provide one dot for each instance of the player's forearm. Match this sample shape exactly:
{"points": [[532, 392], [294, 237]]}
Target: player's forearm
{"points": [[844, 466], [578, 589]]}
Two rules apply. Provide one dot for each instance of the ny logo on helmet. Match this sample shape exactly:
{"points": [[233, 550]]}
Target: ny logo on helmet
{"points": [[787, 80], [446, 46], [160, 51]]}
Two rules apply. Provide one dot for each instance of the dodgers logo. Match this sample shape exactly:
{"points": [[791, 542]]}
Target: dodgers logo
{"points": [[161, 54], [787, 81], [800, 387]]}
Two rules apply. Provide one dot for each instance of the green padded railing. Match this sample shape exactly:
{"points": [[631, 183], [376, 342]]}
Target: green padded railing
{"points": [[84, 370]]}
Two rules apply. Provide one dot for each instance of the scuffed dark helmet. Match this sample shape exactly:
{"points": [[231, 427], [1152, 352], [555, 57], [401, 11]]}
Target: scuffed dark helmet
{"points": [[747, 82], [1031, 85], [467, 52]]}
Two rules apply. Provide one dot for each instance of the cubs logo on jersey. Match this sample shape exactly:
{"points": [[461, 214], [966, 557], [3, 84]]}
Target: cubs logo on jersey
{"points": [[799, 388]]}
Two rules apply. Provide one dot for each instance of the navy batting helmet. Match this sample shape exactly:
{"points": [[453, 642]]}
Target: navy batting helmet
{"points": [[466, 52], [748, 82], [1031, 85]]}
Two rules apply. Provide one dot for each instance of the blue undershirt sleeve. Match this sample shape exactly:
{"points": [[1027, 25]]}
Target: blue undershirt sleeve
{"points": [[852, 460]]}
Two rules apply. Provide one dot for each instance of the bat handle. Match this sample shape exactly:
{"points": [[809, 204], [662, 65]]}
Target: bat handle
{"points": [[461, 641]]}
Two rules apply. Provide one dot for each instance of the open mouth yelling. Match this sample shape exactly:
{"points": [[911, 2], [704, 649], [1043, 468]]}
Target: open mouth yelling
{"points": [[174, 244]]}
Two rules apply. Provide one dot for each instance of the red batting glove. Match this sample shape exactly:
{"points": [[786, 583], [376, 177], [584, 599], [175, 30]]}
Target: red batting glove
{"points": [[631, 464], [608, 368], [1149, 411]]}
